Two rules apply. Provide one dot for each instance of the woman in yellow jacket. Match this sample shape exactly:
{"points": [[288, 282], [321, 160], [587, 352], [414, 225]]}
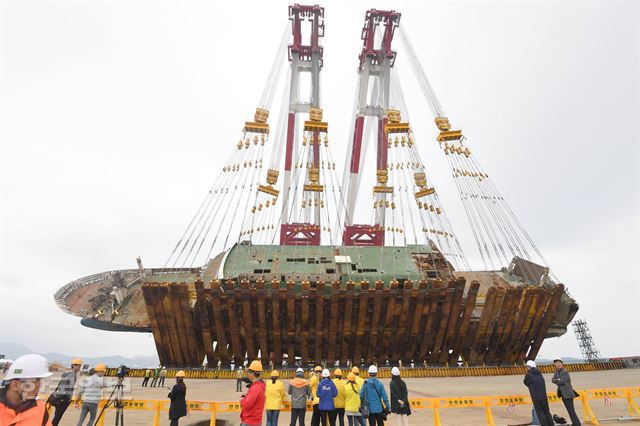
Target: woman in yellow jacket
{"points": [[275, 398], [352, 401]]}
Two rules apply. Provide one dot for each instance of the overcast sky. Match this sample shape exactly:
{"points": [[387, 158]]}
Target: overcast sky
{"points": [[117, 116]]}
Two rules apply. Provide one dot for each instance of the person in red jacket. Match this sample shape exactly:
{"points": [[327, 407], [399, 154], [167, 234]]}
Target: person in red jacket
{"points": [[253, 402]]}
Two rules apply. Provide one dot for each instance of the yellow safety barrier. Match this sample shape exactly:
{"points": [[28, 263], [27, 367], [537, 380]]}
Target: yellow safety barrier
{"points": [[385, 372], [434, 404]]}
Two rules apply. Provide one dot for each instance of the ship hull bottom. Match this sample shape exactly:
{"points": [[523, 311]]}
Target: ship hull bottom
{"points": [[427, 321]]}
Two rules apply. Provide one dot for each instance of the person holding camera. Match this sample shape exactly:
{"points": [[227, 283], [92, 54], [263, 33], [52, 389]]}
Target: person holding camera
{"points": [[374, 396], [90, 391], [252, 404], [61, 397], [178, 394]]}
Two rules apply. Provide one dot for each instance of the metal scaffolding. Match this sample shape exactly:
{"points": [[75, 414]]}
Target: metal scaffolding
{"points": [[585, 341]]}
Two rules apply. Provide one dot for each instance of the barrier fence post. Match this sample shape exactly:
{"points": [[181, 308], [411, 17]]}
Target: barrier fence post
{"points": [[586, 409], [104, 414], [436, 413], [156, 416], [487, 412], [631, 403], [214, 409]]}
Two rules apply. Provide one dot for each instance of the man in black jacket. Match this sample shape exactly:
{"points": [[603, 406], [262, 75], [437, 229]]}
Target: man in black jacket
{"points": [[538, 391]]}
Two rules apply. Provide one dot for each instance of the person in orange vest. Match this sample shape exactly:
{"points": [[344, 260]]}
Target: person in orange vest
{"points": [[19, 405], [252, 404]]}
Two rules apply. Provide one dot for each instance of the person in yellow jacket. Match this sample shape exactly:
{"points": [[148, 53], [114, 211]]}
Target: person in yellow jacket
{"points": [[313, 382], [275, 398], [338, 401], [359, 380], [19, 405], [352, 401]]}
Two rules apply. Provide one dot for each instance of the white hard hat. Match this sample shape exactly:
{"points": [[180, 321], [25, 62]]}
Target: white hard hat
{"points": [[31, 366], [299, 370], [531, 363], [326, 373], [373, 369], [395, 371]]}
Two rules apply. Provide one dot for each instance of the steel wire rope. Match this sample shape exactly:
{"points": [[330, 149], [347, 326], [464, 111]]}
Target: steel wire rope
{"points": [[205, 202], [231, 175]]}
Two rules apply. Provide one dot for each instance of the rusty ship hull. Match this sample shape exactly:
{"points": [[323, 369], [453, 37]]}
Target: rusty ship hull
{"points": [[236, 307]]}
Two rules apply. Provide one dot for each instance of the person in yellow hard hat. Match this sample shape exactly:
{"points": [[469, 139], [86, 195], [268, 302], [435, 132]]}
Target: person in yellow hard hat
{"points": [[90, 391], [338, 401], [313, 382], [252, 404], [359, 380], [352, 401], [178, 395], [61, 396], [19, 405], [275, 397]]}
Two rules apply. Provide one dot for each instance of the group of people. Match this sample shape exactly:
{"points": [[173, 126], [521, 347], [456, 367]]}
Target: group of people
{"points": [[332, 398], [159, 375], [354, 397], [538, 391], [23, 380], [21, 385]]}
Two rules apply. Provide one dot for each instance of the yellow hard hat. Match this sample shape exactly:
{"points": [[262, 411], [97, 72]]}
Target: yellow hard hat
{"points": [[255, 366], [76, 361], [275, 373], [337, 372], [317, 368], [180, 374], [351, 377], [101, 367], [355, 370]]}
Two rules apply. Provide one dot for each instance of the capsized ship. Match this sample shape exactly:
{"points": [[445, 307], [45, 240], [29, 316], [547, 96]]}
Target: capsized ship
{"points": [[302, 265]]}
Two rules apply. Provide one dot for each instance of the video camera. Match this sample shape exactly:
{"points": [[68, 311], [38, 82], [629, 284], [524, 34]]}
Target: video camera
{"points": [[247, 382], [123, 371]]}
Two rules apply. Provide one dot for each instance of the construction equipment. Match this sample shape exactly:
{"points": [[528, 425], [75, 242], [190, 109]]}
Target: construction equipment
{"points": [[359, 269]]}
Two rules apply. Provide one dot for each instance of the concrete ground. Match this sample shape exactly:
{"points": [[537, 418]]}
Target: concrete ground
{"points": [[224, 390]]}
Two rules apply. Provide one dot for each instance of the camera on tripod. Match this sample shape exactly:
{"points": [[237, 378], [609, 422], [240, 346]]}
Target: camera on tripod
{"points": [[123, 371]]}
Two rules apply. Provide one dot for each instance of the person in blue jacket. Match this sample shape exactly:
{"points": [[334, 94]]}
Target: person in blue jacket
{"points": [[376, 398], [327, 390]]}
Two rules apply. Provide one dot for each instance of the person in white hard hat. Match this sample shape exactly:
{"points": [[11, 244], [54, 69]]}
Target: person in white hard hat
{"points": [[400, 406], [538, 391], [19, 405], [326, 392], [376, 398]]}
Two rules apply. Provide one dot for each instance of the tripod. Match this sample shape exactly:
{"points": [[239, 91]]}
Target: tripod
{"points": [[115, 399]]}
